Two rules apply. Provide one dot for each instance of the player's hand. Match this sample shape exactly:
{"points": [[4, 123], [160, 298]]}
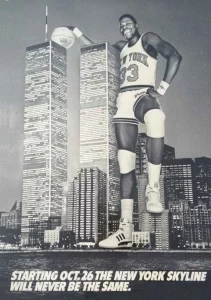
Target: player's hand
{"points": [[70, 27], [153, 93]]}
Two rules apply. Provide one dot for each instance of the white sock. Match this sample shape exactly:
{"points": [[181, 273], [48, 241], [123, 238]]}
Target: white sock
{"points": [[153, 173], [127, 209]]}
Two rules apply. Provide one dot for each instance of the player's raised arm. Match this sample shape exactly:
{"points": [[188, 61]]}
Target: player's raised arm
{"points": [[84, 39], [169, 53]]}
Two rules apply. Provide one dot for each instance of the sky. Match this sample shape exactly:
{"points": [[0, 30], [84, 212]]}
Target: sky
{"points": [[183, 23]]}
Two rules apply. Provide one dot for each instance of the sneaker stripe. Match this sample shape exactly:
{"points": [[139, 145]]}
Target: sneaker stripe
{"points": [[125, 243], [123, 236]]}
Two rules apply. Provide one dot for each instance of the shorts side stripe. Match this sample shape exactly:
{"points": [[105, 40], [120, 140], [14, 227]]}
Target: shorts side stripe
{"points": [[137, 101], [126, 120], [134, 88]]}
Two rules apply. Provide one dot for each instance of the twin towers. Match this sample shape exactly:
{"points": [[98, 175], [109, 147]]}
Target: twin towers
{"points": [[46, 143]]}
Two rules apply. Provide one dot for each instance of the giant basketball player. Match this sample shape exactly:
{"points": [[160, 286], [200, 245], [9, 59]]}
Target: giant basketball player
{"points": [[137, 102]]}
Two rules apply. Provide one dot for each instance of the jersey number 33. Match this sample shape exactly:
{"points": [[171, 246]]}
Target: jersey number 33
{"points": [[130, 73]]}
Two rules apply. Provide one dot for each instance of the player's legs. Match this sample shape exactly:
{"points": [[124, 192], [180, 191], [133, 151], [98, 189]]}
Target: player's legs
{"points": [[148, 111], [126, 135]]}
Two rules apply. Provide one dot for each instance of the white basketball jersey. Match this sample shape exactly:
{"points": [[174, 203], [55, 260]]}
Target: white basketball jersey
{"points": [[138, 68]]}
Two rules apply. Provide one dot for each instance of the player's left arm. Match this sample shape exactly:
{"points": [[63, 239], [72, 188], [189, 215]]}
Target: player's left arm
{"points": [[172, 56], [81, 36]]}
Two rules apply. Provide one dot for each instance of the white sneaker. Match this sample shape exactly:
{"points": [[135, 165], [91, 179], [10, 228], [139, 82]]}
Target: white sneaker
{"points": [[122, 238], [153, 202]]}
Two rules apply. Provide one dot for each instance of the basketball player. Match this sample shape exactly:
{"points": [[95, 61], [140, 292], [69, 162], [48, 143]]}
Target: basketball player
{"points": [[137, 102]]}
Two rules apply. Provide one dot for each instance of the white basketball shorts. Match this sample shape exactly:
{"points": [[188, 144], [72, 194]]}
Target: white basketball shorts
{"points": [[126, 103]]}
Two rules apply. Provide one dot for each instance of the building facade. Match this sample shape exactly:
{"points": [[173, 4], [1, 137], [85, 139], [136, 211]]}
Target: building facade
{"points": [[197, 226], [168, 153], [67, 239], [99, 86], [145, 239], [203, 181], [91, 205], [12, 219], [37, 229], [84, 209], [45, 133], [69, 205], [177, 209], [52, 236], [179, 180]]}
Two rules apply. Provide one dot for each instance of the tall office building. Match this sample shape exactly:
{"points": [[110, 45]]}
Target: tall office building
{"points": [[45, 133], [64, 214], [154, 223], [203, 181], [99, 85], [84, 205], [179, 180], [91, 222], [69, 206], [135, 211], [176, 222], [197, 226], [168, 153], [141, 154]]}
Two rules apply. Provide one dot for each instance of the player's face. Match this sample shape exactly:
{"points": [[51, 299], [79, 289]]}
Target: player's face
{"points": [[127, 28]]}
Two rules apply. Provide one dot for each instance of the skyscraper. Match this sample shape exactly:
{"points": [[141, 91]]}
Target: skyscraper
{"points": [[203, 181], [69, 202], [176, 211], [168, 153], [99, 85], [69, 205], [84, 205], [197, 226], [45, 133], [141, 154], [179, 180], [91, 205]]}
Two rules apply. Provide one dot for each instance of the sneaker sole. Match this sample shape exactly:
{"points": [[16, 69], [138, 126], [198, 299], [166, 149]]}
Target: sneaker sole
{"points": [[129, 245], [154, 212]]}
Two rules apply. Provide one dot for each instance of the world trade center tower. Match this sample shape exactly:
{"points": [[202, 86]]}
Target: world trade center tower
{"points": [[99, 86], [45, 134]]}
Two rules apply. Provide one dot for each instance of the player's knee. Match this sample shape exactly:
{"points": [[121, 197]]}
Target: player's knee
{"points": [[127, 161], [155, 123]]}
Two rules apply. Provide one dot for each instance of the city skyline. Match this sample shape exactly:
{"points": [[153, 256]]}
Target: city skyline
{"points": [[187, 104], [178, 191]]}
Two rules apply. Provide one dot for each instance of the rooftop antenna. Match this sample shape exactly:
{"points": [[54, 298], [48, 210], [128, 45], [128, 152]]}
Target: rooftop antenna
{"points": [[46, 24]]}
